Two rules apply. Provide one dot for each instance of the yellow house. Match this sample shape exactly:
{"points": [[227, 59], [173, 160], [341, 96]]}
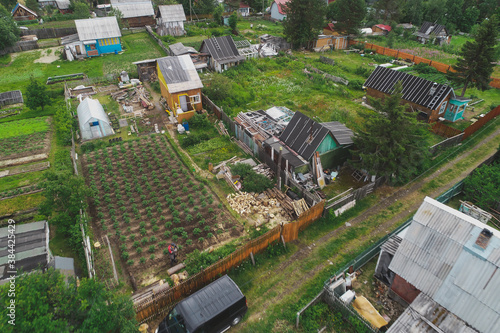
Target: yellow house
{"points": [[180, 85]]}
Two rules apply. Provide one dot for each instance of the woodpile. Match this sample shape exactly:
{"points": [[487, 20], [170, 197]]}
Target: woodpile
{"points": [[156, 288], [250, 203], [300, 206], [219, 125], [137, 95], [283, 199], [263, 169]]}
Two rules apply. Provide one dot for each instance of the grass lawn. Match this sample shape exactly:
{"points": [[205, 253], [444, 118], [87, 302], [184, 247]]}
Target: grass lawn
{"points": [[24, 127], [22, 179], [51, 24], [138, 46], [21, 202]]}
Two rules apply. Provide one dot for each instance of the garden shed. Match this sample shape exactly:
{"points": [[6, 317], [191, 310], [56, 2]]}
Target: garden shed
{"points": [[180, 84], [94, 122], [381, 29], [223, 53], [135, 13], [23, 13], [170, 20], [63, 6], [436, 33], [11, 97], [32, 248], [430, 99]]}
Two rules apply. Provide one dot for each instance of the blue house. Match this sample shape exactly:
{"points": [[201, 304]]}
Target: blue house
{"points": [[98, 36]]}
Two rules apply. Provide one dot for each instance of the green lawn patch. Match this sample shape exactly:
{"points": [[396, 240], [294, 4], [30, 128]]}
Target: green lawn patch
{"points": [[23, 127], [22, 179], [22, 202]]}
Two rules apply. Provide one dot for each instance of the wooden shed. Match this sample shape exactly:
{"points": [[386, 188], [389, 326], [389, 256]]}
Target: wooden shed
{"points": [[170, 20], [23, 13], [135, 13]]}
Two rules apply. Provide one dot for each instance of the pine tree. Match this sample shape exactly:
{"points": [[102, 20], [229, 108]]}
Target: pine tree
{"points": [[349, 15], [475, 64], [394, 143], [303, 22]]}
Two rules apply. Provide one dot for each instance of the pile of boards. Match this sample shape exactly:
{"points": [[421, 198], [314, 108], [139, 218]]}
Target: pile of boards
{"points": [[136, 95], [251, 203]]}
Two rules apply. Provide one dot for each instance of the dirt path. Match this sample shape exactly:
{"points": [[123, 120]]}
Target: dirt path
{"points": [[410, 195]]}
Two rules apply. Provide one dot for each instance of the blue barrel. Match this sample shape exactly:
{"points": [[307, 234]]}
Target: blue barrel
{"points": [[186, 126]]}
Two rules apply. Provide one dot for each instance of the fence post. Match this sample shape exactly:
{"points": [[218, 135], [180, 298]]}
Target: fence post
{"points": [[297, 321]]}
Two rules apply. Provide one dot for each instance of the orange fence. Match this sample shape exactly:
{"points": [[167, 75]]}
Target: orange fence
{"points": [[161, 303], [443, 68], [481, 122]]}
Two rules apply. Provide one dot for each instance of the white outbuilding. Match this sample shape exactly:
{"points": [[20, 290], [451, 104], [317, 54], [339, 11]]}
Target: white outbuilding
{"points": [[94, 122]]}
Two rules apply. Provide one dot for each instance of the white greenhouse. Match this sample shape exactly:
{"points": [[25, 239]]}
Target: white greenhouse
{"points": [[94, 122]]}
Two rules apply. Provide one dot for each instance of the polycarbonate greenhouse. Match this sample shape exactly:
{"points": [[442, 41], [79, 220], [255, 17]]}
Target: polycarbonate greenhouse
{"points": [[94, 122]]}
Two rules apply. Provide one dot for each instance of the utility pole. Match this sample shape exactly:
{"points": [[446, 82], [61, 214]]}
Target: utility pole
{"points": [[190, 11]]}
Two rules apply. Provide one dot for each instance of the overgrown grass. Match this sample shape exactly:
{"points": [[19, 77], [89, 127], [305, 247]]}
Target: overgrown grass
{"points": [[22, 202], [22, 179], [23, 127], [138, 46]]}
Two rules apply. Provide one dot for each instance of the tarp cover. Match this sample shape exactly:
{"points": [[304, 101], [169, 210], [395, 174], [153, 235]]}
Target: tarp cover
{"points": [[367, 311]]}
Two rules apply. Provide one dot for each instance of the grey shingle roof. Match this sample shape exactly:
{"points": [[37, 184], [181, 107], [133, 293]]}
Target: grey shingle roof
{"points": [[97, 28], [439, 257], [171, 13], [304, 135], [222, 49], [415, 89], [429, 28], [178, 49]]}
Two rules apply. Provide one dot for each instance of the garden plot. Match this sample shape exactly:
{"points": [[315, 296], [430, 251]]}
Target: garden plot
{"points": [[22, 139], [144, 198]]}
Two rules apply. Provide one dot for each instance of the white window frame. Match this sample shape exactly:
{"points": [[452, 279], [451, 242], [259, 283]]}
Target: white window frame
{"points": [[195, 99], [443, 107]]}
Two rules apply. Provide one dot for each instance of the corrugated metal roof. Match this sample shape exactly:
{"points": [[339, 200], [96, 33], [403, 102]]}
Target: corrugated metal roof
{"points": [[135, 9], [63, 4], [222, 49], [171, 13], [179, 49], [179, 73], [424, 315], [415, 89], [31, 246], [98, 28], [438, 256], [304, 135], [91, 110], [391, 245]]}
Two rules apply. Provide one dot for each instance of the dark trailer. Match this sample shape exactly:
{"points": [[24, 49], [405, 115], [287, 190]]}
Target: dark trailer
{"points": [[213, 308]]}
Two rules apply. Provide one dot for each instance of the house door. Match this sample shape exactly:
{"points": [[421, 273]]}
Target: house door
{"points": [[78, 50], [183, 101]]}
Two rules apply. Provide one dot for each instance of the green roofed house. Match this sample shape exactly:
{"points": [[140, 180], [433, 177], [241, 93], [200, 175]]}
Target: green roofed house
{"points": [[303, 138], [31, 248]]}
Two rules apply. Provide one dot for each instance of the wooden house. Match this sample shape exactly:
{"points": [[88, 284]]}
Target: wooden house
{"points": [[445, 268], [95, 37], [23, 13], [223, 53], [244, 9], [430, 99], [433, 32], [170, 20], [180, 85], [332, 42], [303, 138], [278, 10], [45, 3], [381, 29], [135, 13]]}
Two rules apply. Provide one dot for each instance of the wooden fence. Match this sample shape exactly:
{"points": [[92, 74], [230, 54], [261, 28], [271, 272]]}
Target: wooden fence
{"points": [[158, 41], [357, 194], [161, 303], [445, 130], [443, 68], [481, 122], [449, 142], [20, 46], [47, 33]]}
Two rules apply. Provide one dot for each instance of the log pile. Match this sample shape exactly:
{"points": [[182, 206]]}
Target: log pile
{"points": [[300, 206], [263, 169], [283, 199], [156, 288], [133, 95], [250, 203]]}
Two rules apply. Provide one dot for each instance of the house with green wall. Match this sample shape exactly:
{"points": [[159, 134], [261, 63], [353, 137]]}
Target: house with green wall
{"points": [[303, 137]]}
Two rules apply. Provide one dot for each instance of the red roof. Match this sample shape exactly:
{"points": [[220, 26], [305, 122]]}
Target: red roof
{"points": [[330, 27], [384, 27], [244, 5], [281, 6]]}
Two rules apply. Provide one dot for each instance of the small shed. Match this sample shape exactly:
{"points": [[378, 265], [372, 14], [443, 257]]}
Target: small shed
{"points": [[135, 13], [63, 6], [31, 248], [45, 3], [66, 266], [11, 97], [23, 13], [223, 53], [381, 28], [436, 33], [94, 122], [278, 10], [178, 49], [180, 85], [170, 20]]}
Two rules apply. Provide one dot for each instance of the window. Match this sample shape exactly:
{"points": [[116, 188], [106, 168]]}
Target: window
{"points": [[195, 99], [92, 46], [443, 107]]}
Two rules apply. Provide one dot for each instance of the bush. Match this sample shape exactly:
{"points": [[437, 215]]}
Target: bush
{"points": [[356, 84], [200, 121], [252, 181]]}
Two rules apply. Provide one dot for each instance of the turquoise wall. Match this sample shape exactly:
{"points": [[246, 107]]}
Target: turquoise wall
{"points": [[455, 110], [327, 144], [106, 45]]}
